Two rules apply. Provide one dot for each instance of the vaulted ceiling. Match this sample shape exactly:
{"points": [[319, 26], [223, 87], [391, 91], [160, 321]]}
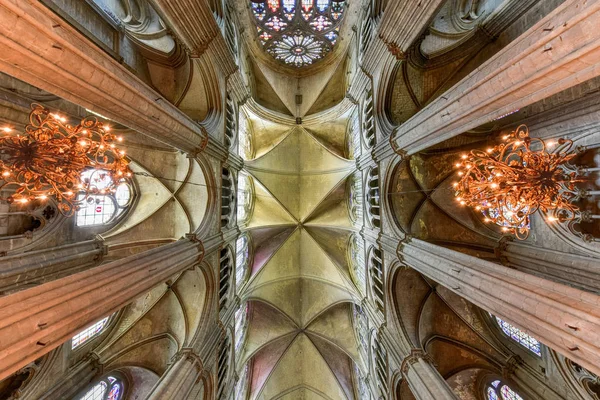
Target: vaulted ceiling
{"points": [[300, 341]]}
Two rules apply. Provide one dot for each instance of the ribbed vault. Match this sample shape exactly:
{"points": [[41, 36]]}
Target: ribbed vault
{"points": [[300, 342]]}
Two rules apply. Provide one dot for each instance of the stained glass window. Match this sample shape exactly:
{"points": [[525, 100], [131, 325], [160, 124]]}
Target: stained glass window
{"points": [[355, 198], [244, 198], [242, 255], [298, 32], [241, 319], [241, 388], [109, 388], [96, 393], [361, 325], [497, 390], [357, 261], [525, 340], [88, 333], [101, 208]]}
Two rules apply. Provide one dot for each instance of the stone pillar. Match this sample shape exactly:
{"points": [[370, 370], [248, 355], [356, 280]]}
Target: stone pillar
{"points": [[570, 269], [37, 320], [564, 318], [41, 49], [36, 267], [560, 51], [404, 21], [75, 380], [424, 381], [180, 378]]}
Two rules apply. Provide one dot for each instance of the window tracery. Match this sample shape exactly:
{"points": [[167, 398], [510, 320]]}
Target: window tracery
{"points": [[355, 198], [353, 143], [242, 258], [88, 333], [244, 137], [361, 327], [361, 384], [241, 325], [497, 390], [241, 388], [109, 388], [525, 340], [244, 198], [106, 207], [298, 32], [357, 261]]}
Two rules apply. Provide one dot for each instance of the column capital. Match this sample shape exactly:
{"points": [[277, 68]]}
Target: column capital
{"points": [[512, 363], [414, 357]]}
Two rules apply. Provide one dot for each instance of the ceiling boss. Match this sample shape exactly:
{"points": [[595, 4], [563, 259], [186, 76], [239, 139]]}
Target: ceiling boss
{"points": [[511, 181], [47, 161]]}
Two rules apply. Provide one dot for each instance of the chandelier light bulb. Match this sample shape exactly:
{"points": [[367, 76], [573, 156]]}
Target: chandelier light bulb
{"points": [[510, 182], [48, 159]]}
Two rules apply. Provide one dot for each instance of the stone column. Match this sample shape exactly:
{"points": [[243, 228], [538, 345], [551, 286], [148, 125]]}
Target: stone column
{"points": [[37, 320], [570, 269], [564, 318], [424, 381], [404, 21], [560, 51], [180, 378], [35, 267], [41, 49]]}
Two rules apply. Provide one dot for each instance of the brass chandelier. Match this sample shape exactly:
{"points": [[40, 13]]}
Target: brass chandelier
{"points": [[513, 180], [47, 161]]}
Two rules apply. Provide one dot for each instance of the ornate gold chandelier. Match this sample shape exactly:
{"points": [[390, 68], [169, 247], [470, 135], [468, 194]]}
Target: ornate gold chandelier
{"points": [[511, 181], [48, 159]]}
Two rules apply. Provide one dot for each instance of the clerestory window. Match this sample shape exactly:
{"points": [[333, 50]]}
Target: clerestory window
{"points": [[88, 333], [525, 340]]}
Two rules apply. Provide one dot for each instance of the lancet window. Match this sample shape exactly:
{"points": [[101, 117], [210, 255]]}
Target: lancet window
{"points": [[361, 326], [244, 198], [244, 136], [102, 208], [357, 261], [525, 340], [298, 32], [88, 333], [241, 325], [497, 390], [241, 388], [109, 388], [355, 198], [242, 256]]}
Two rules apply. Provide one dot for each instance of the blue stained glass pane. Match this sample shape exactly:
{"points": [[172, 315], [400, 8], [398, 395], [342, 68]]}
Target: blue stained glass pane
{"points": [[114, 392], [495, 384], [322, 5], [491, 394], [509, 394], [525, 340], [258, 10]]}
